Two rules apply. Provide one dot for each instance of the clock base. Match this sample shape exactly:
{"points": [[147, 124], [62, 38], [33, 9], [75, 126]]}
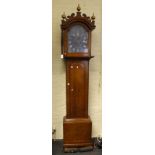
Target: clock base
{"points": [[77, 134], [80, 149]]}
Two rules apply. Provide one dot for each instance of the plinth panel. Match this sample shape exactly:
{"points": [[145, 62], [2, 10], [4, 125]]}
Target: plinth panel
{"points": [[77, 133]]}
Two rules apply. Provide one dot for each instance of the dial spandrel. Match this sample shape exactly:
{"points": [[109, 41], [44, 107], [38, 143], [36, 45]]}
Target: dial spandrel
{"points": [[77, 39]]}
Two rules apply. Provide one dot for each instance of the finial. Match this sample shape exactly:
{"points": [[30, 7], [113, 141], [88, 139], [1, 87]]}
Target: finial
{"points": [[93, 17], [63, 15], [78, 8]]}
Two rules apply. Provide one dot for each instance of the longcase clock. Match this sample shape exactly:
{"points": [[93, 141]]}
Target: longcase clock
{"points": [[76, 51]]}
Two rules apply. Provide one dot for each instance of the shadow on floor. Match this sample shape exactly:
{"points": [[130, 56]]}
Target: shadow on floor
{"points": [[57, 149]]}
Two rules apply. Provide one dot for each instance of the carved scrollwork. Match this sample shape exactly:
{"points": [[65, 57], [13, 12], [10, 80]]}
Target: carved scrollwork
{"points": [[78, 17]]}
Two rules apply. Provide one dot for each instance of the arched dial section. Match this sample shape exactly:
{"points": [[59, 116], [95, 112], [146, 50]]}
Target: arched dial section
{"points": [[77, 39]]}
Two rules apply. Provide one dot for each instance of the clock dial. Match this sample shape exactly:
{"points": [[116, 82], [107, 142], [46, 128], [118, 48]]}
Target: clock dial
{"points": [[77, 39]]}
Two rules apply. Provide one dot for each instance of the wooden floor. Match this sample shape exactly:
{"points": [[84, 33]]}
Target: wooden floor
{"points": [[57, 149]]}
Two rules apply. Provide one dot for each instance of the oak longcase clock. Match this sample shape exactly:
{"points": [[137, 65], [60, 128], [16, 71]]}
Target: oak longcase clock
{"points": [[76, 50]]}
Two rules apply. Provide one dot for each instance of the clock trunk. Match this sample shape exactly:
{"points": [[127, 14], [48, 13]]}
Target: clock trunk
{"points": [[77, 88]]}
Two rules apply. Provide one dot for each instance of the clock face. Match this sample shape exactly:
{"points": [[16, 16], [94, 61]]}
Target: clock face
{"points": [[77, 39]]}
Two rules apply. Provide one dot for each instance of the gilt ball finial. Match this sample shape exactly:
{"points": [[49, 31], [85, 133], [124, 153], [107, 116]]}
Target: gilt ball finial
{"points": [[63, 15], [78, 8], [93, 17]]}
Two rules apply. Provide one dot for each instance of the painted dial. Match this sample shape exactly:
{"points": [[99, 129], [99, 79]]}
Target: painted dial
{"points": [[77, 39]]}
